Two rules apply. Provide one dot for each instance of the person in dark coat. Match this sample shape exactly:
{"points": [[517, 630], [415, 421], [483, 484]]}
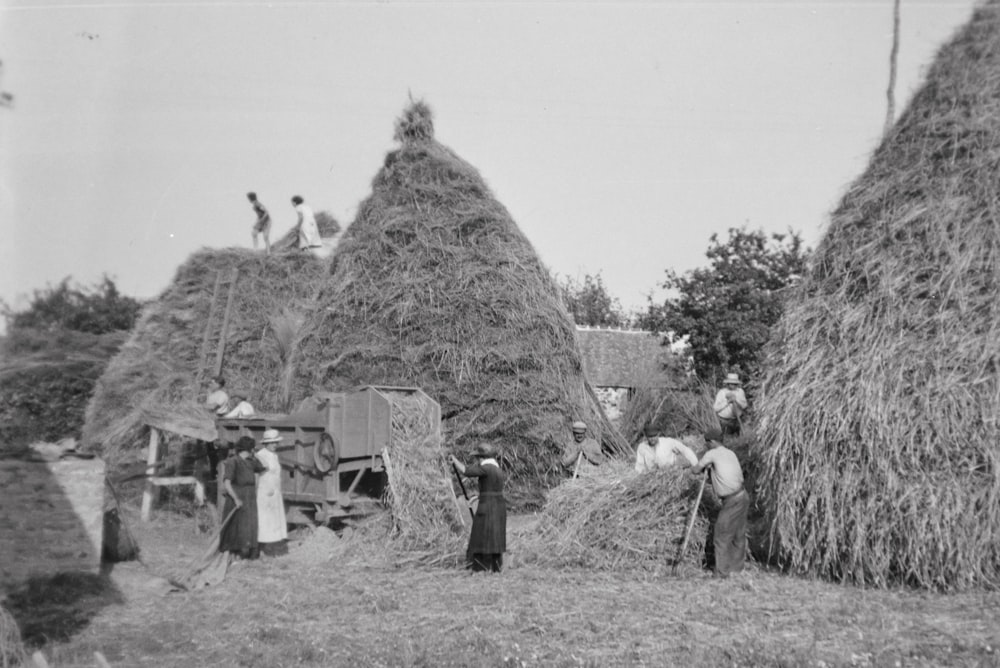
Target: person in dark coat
{"points": [[488, 540], [239, 536]]}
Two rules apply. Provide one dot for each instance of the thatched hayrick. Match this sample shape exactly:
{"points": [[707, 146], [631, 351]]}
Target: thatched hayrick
{"points": [[433, 285], [160, 367], [881, 456]]}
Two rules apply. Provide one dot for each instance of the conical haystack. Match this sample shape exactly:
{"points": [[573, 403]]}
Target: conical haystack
{"points": [[881, 456], [161, 367], [434, 285]]}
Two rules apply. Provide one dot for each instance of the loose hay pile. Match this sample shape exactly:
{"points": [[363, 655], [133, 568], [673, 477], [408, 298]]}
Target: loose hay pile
{"points": [[433, 285], [161, 364], [617, 519], [881, 400]]}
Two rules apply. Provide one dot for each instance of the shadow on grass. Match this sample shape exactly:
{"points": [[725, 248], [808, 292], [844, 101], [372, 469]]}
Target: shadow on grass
{"points": [[55, 608]]}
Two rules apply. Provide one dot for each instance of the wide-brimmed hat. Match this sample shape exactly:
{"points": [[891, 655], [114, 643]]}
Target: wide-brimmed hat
{"points": [[713, 434], [579, 426], [731, 379], [271, 436], [238, 394], [485, 450], [650, 430]]}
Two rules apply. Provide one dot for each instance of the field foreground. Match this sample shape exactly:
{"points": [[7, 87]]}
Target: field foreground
{"points": [[347, 602]]}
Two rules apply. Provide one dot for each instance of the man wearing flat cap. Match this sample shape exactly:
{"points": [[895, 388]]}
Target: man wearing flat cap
{"points": [[731, 525], [583, 453], [488, 540], [730, 402]]}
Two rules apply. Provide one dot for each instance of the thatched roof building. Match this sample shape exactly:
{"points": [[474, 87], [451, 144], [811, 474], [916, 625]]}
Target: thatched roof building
{"points": [[881, 450], [163, 365], [434, 285]]}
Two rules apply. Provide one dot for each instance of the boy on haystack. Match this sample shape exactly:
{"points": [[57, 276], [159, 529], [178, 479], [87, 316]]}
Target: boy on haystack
{"points": [[263, 225], [731, 525]]}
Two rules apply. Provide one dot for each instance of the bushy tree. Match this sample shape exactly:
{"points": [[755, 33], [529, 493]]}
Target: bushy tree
{"points": [[590, 303], [96, 310], [726, 310]]}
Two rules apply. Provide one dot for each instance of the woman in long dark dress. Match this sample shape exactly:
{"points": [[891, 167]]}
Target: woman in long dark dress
{"points": [[239, 536], [488, 540]]}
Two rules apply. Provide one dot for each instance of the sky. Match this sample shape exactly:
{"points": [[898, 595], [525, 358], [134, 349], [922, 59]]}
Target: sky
{"points": [[620, 136]]}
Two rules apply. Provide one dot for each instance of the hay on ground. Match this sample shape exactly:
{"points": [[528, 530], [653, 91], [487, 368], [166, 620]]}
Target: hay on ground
{"points": [[617, 519], [433, 285], [879, 405], [161, 364]]}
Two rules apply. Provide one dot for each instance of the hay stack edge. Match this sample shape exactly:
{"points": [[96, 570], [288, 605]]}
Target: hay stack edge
{"points": [[881, 399]]}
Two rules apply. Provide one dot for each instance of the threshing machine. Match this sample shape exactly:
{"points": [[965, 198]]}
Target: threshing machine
{"points": [[332, 438]]}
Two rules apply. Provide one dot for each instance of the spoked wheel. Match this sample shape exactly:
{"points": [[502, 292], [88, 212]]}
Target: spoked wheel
{"points": [[326, 454]]}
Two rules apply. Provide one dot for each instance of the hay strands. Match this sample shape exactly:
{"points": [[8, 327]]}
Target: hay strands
{"points": [[206, 558]]}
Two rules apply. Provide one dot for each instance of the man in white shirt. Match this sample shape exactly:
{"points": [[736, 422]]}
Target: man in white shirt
{"points": [[309, 239], [657, 452], [242, 409], [731, 525], [730, 402]]}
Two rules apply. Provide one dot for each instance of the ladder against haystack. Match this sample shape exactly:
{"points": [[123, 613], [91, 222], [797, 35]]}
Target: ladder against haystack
{"points": [[215, 334], [153, 481]]}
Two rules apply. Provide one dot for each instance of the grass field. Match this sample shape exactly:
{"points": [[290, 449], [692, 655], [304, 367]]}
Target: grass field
{"points": [[349, 602]]}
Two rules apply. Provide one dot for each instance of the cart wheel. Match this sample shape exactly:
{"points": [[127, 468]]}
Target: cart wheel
{"points": [[326, 454]]}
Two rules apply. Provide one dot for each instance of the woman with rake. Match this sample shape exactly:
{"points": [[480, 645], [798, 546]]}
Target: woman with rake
{"points": [[488, 540], [239, 530]]}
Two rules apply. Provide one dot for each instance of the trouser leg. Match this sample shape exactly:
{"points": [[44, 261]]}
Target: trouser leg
{"points": [[730, 535]]}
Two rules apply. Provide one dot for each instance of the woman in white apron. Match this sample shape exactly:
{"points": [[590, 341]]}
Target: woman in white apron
{"points": [[272, 529]]}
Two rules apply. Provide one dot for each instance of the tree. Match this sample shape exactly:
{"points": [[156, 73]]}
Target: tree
{"points": [[95, 310], [590, 304], [727, 309]]}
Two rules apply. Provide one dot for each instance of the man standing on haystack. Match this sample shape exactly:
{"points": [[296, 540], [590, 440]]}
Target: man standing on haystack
{"points": [[309, 239], [584, 453], [731, 525], [657, 452], [730, 402], [263, 225], [488, 540]]}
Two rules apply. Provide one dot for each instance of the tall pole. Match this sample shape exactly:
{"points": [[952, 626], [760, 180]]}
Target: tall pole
{"points": [[890, 112]]}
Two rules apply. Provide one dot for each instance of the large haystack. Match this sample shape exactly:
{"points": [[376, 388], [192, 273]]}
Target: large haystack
{"points": [[161, 367], [434, 285], [880, 403]]}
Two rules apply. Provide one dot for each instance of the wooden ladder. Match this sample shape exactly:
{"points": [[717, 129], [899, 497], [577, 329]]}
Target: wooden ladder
{"points": [[214, 339]]}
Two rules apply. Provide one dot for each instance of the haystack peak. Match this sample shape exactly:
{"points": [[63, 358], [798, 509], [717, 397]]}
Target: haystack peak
{"points": [[416, 124]]}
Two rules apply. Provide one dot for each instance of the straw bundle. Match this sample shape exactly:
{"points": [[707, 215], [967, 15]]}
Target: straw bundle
{"points": [[617, 519], [433, 285], [881, 396], [160, 364], [419, 494]]}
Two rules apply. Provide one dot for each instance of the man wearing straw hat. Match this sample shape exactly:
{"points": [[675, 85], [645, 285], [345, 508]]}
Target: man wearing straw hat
{"points": [[243, 408], [730, 537], [657, 452], [583, 453], [730, 402], [272, 527]]}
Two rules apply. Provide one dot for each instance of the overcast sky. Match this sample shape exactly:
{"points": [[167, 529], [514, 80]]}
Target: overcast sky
{"points": [[620, 136]]}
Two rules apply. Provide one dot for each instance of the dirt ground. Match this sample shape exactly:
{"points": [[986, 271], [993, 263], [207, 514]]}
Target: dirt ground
{"points": [[347, 601]]}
